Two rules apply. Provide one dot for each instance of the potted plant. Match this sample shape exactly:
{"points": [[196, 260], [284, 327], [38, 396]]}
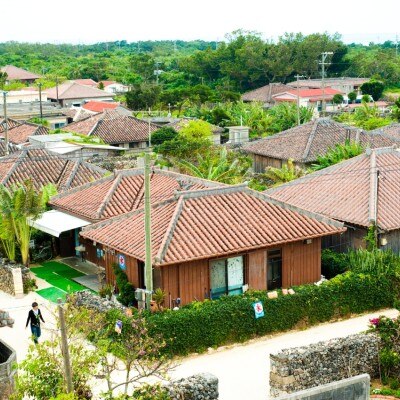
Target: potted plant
{"points": [[158, 298]]}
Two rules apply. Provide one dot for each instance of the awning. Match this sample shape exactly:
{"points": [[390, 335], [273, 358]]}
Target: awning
{"points": [[55, 222]]}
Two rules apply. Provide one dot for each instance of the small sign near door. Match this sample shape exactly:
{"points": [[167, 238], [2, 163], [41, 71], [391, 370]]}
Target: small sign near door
{"points": [[258, 309], [121, 261]]}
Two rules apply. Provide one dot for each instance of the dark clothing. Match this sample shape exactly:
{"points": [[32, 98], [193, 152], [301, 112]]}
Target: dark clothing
{"points": [[34, 319], [36, 332]]}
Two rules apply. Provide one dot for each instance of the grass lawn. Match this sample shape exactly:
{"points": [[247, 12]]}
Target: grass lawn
{"points": [[52, 294], [58, 275]]}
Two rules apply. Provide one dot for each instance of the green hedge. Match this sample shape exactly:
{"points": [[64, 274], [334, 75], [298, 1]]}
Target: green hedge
{"points": [[230, 319]]}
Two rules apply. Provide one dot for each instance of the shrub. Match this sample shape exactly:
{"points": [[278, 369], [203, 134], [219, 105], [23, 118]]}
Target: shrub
{"points": [[162, 135], [126, 290], [333, 263], [230, 319]]}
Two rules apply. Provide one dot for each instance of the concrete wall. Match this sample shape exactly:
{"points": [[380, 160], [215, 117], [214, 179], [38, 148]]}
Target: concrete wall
{"points": [[356, 388], [306, 367], [12, 278], [7, 372]]}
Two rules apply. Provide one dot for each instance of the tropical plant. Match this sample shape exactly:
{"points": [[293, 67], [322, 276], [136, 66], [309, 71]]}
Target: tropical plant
{"points": [[284, 116], [352, 97], [337, 99], [337, 154], [196, 129], [287, 173], [159, 297], [20, 204], [219, 165], [374, 88]]}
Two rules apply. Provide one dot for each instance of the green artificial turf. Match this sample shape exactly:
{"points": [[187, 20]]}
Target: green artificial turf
{"points": [[59, 275], [52, 294]]}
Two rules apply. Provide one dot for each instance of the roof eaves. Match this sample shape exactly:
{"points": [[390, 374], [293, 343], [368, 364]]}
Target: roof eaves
{"points": [[191, 194]]}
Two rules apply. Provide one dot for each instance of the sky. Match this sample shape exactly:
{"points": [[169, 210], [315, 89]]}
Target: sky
{"points": [[72, 21]]}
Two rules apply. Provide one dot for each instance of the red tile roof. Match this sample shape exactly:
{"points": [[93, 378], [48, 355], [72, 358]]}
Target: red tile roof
{"points": [[99, 106], [108, 83], [73, 90], [19, 134], [210, 223], [113, 127], [86, 82], [10, 122], [44, 167], [266, 92], [345, 191], [123, 192], [312, 94], [306, 142], [18, 74]]}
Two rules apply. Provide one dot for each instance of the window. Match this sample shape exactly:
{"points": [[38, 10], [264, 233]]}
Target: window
{"points": [[274, 269], [133, 145], [226, 276]]}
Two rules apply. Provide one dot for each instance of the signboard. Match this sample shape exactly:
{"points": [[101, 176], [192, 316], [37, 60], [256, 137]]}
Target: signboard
{"points": [[258, 309], [121, 261], [99, 253]]}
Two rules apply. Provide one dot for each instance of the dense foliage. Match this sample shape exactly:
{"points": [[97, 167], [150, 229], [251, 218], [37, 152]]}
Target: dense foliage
{"points": [[125, 288]]}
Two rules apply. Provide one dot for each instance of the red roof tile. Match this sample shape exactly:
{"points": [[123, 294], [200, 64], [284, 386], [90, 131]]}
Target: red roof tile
{"points": [[123, 192], [86, 82], [266, 92], [210, 223], [306, 142], [43, 167], [344, 191], [73, 90], [19, 134], [99, 106]]}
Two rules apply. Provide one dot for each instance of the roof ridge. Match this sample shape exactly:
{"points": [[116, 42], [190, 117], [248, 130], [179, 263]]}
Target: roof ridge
{"points": [[189, 194], [72, 174], [310, 139], [95, 127], [169, 231], [373, 188], [14, 166], [288, 206], [108, 196]]}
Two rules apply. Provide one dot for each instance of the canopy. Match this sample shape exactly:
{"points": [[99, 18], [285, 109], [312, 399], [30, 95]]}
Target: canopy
{"points": [[55, 222]]}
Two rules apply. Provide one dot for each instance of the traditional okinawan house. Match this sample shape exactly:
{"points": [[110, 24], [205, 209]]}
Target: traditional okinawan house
{"points": [[215, 241], [115, 194], [115, 129], [359, 192], [265, 94], [304, 143], [20, 133]]}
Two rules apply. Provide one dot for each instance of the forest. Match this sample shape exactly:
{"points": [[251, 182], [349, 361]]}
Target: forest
{"points": [[171, 72]]}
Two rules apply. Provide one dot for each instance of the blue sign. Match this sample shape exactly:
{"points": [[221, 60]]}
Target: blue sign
{"points": [[121, 261], [258, 309], [99, 253]]}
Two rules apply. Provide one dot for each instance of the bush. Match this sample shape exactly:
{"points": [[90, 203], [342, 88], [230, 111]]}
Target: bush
{"points": [[162, 135], [230, 319], [333, 263], [126, 289]]}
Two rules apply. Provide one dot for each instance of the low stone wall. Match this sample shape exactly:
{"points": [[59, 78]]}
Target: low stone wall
{"points": [[5, 319], [318, 364], [7, 372], [356, 388], [7, 279], [90, 300], [196, 387]]}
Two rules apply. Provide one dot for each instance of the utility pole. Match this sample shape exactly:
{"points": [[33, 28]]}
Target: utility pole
{"points": [[64, 347], [57, 89], [148, 267], [298, 97], [5, 122], [40, 102], [397, 44], [323, 62]]}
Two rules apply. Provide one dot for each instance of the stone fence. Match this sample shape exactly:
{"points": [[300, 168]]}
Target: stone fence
{"points": [[13, 278], [196, 387], [306, 367], [7, 372], [93, 301]]}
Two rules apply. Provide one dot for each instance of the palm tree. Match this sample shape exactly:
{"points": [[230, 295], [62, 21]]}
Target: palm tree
{"points": [[218, 167], [19, 205], [287, 173]]}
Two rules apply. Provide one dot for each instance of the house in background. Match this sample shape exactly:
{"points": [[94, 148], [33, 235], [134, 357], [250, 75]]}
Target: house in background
{"points": [[19, 134], [114, 87], [303, 144], [359, 192], [73, 94], [100, 106], [308, 97], [265, 93], [19, 74], [115, 129], [342, 84], [25, 96], [215, 241]]}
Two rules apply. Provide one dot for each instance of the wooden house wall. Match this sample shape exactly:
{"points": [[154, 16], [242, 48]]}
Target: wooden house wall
{"points": [[353, 238], [260, 163], [393, 241]]}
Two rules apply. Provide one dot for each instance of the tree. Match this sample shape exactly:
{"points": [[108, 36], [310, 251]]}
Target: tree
{"points": [[163, 134], [100, 86], [287, 173], [337, 99], [285, 116], [366, 98], [196, 129], [221, 166], [352, 97], [374, 88], [18, 205], [3, 78], [142, 97]]}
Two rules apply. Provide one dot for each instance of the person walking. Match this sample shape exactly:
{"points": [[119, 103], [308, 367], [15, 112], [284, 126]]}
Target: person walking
{"points": [[34, 317]]}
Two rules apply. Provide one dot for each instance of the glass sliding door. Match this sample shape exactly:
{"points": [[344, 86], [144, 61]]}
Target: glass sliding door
{"points": [[274, 269], [226, 276]]}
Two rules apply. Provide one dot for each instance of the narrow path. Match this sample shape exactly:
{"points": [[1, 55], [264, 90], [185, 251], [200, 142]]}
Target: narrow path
{"points": [[243, 370]]}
